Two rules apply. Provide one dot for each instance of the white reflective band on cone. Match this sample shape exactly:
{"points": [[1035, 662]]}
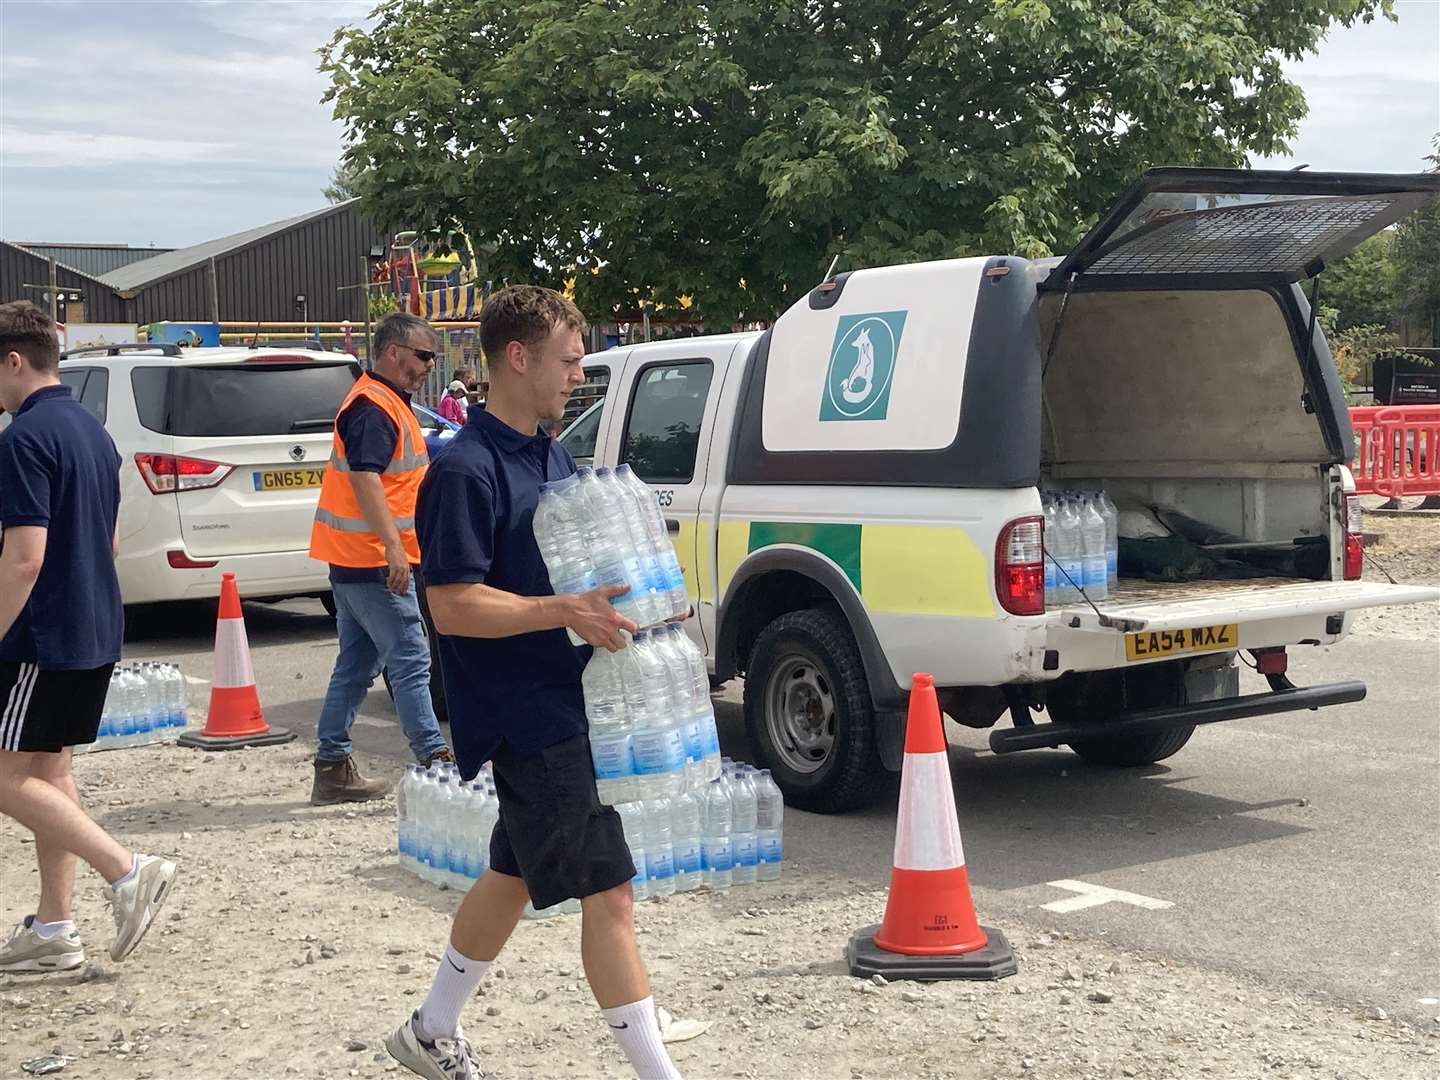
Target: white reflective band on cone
{"points": [[927, 835], [232, 655]]}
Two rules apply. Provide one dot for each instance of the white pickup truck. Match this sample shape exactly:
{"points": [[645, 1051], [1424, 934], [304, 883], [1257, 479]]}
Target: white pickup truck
{"points": [[856, 492]]}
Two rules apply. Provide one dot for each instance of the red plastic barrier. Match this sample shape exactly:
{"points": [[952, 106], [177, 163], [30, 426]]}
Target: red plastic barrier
{"points": [[1397, 450]]}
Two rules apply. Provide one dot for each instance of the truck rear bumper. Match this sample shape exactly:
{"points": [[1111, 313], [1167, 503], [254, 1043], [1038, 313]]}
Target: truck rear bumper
{"points": [[1146, 721]]}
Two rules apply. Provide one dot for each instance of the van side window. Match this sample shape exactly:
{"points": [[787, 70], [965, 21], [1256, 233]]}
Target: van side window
{"points": [[662, 433], [97, 393]]}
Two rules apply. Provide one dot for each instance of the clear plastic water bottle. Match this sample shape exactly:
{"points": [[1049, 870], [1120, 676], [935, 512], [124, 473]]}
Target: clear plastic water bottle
{"points": [[647, 554], [770, 825], [1069, 552], [653, 523], [658, 735], [405, 816], [105, 735], [685, 817], [689, 714], [562, 541], [131, 716], [458, 834], [1052, 535], [612, 744], [659, 848], [700, 698], [1094, 542], [158, 685], [716, 851], [744, 813], [484, 813], [1111, 513], [632, 818], [607, 539], [432, 826]]}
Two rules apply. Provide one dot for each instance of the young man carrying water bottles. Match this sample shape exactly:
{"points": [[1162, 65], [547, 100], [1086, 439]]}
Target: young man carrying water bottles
{"points": [[60, 629], [513, 682]]}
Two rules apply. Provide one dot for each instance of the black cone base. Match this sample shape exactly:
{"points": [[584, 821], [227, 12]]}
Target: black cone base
{"points": [[199, 741], [994, 961]]}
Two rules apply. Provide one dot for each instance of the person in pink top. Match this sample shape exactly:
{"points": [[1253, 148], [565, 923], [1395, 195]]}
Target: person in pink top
{"points": [[452, 405]]}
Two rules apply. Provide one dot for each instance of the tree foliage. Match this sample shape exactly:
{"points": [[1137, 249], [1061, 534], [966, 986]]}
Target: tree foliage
{"points": [[344, 183], [1361, 286], [1417, 264], [727, 150]]}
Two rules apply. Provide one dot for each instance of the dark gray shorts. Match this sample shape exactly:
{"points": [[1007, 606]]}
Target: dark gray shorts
{"points": [[50, 710]]}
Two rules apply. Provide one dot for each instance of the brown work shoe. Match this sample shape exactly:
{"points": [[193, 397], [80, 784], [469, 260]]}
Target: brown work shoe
{"points": [[340, 781], [443, 754]]}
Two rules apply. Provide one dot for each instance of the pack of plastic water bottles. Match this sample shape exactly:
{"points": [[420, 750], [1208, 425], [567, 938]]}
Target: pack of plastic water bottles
{"points": [[1082, 546], [603, 527], [146, 703]]}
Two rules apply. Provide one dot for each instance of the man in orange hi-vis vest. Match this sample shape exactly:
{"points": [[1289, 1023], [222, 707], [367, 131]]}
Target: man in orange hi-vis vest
{"points": [[365, 529]]}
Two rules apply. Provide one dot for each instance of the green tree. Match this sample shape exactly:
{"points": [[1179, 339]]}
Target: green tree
{"points": [[726, 150], [344, 183], [1361, 286], [1417, 265]]}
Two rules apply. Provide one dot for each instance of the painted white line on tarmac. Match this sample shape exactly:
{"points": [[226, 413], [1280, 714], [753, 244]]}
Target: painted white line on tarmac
{"points": [[1095, 895]]}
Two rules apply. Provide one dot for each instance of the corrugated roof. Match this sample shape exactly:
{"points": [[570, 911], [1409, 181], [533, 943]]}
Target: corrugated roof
{"points": [[147, 271], [93, 259]]}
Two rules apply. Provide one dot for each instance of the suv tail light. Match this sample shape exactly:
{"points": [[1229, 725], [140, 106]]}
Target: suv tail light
{"points": [[1354, 538], [165, 474], [1020, 566]]}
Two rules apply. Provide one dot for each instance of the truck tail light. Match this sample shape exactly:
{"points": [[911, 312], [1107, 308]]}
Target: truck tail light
{"points": [[1020, 566], [1354, 538], [178, 560], [165, 474]]}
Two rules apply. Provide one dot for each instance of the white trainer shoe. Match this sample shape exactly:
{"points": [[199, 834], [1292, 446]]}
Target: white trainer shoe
{"points": [[442, 1059], [25, 950], [135, 903]]}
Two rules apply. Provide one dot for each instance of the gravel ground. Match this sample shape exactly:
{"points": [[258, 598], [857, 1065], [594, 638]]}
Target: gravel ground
{"points": [[1409, 548], [293, 943]]}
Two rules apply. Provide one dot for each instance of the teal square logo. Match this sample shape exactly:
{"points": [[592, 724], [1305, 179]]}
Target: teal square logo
{"points": [[862, 366]]}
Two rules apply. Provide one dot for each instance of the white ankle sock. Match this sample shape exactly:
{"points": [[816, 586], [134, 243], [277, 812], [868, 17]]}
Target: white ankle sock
{"points": [[47, 930], [638, 1032], [126, 878], [456, 979]]}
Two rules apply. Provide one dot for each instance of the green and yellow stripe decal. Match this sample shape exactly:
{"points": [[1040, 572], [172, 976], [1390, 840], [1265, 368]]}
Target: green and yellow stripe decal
{"points": [[896, 569]]}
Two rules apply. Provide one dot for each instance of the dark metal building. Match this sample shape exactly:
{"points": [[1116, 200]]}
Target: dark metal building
{"points": [[92, 259], [20, 268], [259, 275]]}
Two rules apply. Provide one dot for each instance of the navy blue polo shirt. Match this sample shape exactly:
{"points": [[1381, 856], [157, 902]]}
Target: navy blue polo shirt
{"points": [[59, 469], [474, 522], [369, 437]]}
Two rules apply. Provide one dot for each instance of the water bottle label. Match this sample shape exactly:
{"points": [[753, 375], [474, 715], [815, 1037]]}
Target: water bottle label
{"points": [[1076, 569], [576, 583], [636, 576], [712, 736], [1112, 562], [660, 864], [613, 756], [610, 573], [655, 575], [716, 854], [745, 850], [638, 858], [687, 858], [659, 752], [1094, 573], [459, 862], [695, 739], [771, 848], [1049, 576], [674, 576]]}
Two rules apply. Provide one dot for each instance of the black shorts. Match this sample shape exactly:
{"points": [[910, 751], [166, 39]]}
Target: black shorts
{"points": [[553, 831], [50, 710]]}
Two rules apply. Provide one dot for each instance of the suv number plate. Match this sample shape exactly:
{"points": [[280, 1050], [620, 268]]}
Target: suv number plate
{"points": [[288, 479], [1155, 643]]}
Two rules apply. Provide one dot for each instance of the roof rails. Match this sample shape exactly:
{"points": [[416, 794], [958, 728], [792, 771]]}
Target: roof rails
{"points": [[165, 348], [312, 346]]}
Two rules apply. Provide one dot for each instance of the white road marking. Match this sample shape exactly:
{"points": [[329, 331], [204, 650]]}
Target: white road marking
{"points": [[195, 680], [1095, 895]]}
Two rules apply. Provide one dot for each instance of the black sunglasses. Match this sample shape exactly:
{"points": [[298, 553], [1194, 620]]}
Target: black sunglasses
{"points": [[426, 356]]}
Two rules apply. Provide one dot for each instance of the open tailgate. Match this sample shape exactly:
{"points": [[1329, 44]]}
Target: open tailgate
{"points": [[1216, 617]]}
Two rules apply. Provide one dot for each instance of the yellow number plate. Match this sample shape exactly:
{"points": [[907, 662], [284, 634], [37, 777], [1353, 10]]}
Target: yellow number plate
{"points": [[1155, 643], [288, 479]]}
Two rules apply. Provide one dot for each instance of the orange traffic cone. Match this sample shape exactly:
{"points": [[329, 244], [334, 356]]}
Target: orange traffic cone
{"points": [[930, 931], [235, 719]]}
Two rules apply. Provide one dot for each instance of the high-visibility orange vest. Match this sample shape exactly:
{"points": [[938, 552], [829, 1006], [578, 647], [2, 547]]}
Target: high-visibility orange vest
{"points": [[341, 535]]}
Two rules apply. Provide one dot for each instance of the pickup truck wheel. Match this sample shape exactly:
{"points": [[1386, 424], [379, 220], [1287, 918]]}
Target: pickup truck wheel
{"points": [[808, 713], [1093, 699]]}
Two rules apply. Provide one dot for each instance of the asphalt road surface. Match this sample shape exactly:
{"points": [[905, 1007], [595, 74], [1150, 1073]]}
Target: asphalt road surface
{"points": [[1300, 848]]}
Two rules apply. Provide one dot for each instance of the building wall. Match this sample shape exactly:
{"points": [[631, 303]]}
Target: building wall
{"points": [[93, 259], [18, 266], [259, 283]]}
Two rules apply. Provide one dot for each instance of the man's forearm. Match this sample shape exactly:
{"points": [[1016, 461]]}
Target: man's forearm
{"points": [[17, 581], [481, 611], [371, 496]]}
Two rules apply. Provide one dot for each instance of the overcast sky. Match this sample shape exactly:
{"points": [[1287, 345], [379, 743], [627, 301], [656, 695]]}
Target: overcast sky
{"points": [[170, 123]]}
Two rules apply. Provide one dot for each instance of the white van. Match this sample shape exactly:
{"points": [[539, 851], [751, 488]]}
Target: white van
{"points": [[856, 492]]}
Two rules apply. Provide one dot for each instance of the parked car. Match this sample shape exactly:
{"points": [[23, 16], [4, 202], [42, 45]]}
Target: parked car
{"points": [[856, 492]]}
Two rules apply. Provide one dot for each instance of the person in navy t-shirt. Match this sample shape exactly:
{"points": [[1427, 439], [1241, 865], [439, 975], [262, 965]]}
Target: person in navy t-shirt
{"points": [[60, 629], [512, 680]]}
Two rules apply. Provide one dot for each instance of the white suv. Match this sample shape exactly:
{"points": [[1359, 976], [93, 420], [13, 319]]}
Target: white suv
{"points": [[222, 453]]}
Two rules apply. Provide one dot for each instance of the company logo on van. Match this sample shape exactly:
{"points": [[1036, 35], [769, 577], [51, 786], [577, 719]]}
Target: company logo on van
{"points": [[862, 365]]}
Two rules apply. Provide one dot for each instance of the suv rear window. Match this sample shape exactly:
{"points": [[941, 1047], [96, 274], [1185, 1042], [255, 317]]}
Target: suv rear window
{"points": [[256, 398]]}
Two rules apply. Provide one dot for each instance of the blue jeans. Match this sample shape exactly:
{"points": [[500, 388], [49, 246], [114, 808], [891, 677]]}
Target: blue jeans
{"points": [[379, 629]]}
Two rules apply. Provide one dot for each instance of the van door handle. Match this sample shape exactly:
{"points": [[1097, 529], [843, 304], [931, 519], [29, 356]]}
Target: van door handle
{"points": [[672, 525]]}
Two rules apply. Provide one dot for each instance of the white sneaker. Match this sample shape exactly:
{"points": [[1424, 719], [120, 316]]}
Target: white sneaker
{"points": [[443, 1059], [135, 903], [25, 950]]}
